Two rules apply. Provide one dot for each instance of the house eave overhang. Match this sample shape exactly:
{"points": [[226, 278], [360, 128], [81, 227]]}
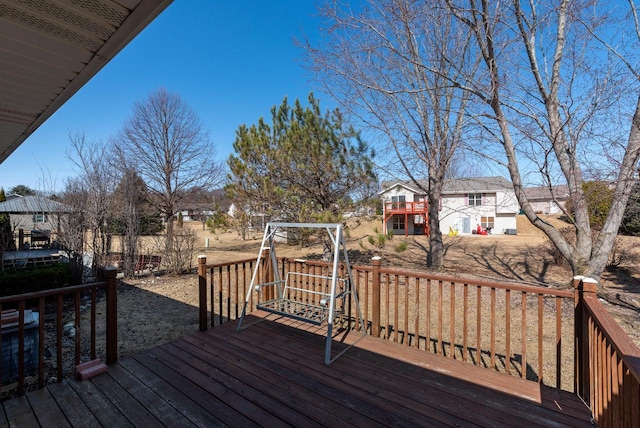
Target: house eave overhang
{"points": [[51, 49]]}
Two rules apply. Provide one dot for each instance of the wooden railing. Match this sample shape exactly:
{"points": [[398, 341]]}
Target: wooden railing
{"points": [[55, 300], [520, 330], [405, 207], [561, 338], [608, 362]]}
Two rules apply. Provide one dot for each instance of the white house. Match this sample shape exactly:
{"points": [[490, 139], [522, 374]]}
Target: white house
{"points": [[547, 201], [488, 203]]}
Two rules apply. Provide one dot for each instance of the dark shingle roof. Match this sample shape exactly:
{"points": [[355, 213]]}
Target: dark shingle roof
{"points": [[460, 185]]}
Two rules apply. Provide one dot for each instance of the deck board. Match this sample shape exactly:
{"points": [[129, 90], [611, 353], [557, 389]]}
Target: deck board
{"points": [[273, 374], [183, 403]]}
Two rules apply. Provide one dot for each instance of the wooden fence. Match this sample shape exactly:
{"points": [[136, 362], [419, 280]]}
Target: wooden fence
{"points": [[557, 337], [53, 302]]}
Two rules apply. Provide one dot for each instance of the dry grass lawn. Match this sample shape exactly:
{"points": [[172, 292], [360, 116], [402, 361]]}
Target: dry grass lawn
{"points": [[156, 309]]}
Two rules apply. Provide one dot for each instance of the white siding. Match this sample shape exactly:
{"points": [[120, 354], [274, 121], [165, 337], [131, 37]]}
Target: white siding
{"points": [[502, 207]]}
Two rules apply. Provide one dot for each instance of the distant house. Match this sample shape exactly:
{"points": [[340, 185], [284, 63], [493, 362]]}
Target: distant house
{"points": [[34, 214], [466, 205], [545, 200]]}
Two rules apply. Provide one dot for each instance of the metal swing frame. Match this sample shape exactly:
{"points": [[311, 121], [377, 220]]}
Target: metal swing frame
{"points": [[322, 311]]}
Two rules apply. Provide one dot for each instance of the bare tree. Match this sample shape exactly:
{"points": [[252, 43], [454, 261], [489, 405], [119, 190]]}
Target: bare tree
{"points": [[129, 200], [96, 181], [167, 144], [389, 65], [558, 89], [71, 225]]}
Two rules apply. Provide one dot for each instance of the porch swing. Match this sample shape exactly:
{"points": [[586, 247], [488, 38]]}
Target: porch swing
{"points": [[312, 298]]}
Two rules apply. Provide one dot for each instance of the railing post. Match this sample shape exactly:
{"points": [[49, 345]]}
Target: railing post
{"points": [[583, 288], [375, 297], [112, 314], [202, 292]]}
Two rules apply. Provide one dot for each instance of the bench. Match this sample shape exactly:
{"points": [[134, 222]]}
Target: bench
{"points": [[309, 304]]}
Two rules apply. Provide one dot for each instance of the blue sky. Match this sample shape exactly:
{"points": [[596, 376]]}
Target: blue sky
{"points": [[229, 60]]}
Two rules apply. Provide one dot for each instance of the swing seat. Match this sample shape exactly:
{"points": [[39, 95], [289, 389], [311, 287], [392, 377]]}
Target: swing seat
{"points": [[306, 297], [301, 303]]}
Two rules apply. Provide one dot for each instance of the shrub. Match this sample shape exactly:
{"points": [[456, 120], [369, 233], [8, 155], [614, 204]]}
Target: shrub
{"points": [[598, 197], [33, 279], [401, 247]]}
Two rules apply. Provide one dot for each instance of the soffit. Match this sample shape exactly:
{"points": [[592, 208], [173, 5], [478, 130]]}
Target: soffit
{"points": [[50, 48]]}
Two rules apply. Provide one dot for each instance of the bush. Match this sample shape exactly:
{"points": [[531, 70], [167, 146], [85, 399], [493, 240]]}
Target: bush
{"points": [[598, 197], [29, 280], [401, 247]]}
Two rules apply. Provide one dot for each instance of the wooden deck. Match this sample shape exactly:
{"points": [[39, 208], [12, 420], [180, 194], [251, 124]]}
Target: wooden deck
{"points": [[273, 374]]}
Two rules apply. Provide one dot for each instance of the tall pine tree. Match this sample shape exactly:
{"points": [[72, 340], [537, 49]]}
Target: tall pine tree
{"points": [[306, 166]]}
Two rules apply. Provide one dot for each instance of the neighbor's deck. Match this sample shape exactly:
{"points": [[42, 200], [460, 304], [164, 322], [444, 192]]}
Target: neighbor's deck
{"points": [[272, 374]]}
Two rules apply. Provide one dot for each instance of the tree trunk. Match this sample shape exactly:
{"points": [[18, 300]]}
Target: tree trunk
{"points": [[435, 256]]}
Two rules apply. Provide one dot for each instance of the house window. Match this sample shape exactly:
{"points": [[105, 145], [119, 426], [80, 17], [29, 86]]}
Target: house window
{"points": [[398, 202], [475, 199], [398, 222], [486, 222], [39, 218]]}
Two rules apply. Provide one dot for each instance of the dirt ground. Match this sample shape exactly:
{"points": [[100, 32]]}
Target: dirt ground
{"points": [[155, 309]]}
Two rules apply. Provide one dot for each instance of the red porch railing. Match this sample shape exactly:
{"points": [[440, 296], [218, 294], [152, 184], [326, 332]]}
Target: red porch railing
{"points": [[405, 207], [561, 338], [55, 299]]}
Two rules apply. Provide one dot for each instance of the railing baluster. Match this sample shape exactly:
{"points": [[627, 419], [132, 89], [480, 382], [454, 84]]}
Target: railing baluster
{"points": [[507, 333], [558, 342], [212, 296], [440, 321], [237, 290], [407, 336], [40, 342], [94, 324], [21, 347], [478, 325], [396, 309], [59, 337], [388, 312], [428, 316], [220, 296], [540, 347], [465, 322], [523, 351], [77, 327], [452, 319], [493, 328], [417, 319]]}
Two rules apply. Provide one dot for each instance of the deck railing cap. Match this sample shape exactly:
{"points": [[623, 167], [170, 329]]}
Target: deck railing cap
{"points": [[202, 256]]}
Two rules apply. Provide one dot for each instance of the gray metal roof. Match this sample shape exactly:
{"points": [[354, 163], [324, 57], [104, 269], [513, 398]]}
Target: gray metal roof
{"points": [[51, 48], [32, 205]]}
